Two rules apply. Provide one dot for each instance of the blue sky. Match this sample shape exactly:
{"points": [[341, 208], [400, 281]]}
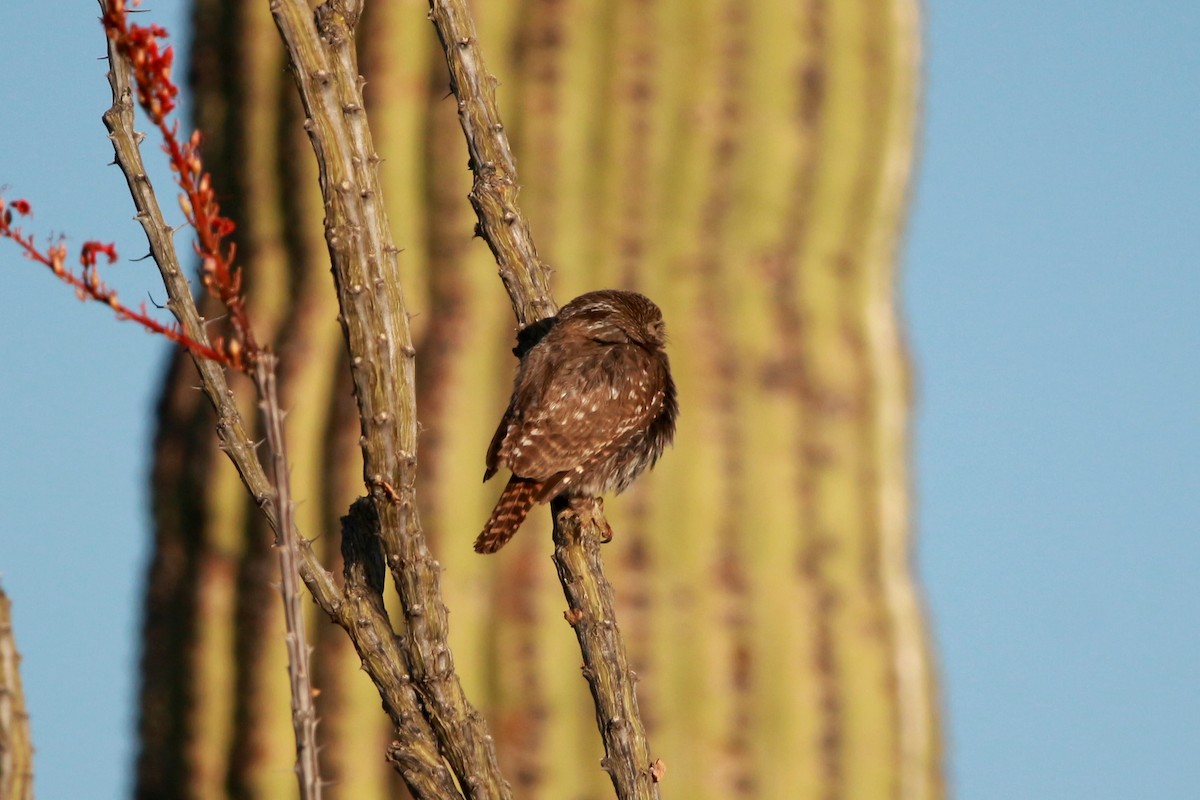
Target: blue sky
{"points": [[1052, 281], [1051, 285]]}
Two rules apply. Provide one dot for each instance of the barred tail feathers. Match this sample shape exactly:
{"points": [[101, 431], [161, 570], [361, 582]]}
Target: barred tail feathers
{"points": [[511, 509]]}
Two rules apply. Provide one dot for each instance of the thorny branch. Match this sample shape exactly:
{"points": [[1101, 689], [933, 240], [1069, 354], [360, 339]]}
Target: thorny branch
{"points": [[494, 192], [304, 713], [592, 614], [321, 49], [365, 623], [589, 595]]}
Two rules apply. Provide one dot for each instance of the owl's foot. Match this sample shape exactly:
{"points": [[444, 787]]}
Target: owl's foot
{"points": [[590, 512]]}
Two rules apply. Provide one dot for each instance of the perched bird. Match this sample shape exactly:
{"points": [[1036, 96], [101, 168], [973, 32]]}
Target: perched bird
{"points": [[593, 405]]}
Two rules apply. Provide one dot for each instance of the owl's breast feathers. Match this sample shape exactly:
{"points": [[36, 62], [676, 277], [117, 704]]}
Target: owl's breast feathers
{"points": [[565, 430]]}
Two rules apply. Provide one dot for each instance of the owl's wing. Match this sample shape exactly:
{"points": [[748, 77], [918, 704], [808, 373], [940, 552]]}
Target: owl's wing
{"points": [[492, 461], [583, 414]]}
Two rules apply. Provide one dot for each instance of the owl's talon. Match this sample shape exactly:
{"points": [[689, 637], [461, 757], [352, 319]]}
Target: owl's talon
{"points": [[590, 511], [601, 521]]}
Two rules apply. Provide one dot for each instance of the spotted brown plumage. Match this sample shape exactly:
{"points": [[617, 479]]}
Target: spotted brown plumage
{"points": [[593, 406]]}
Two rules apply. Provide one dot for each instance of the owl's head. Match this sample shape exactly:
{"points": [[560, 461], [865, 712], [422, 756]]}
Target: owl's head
{"points": [[614, 316]]}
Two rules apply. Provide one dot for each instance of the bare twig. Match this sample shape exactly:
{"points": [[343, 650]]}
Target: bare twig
{"points": [[304, 713], [320, 45], [494, 192], [16, 745], [605, 665]]}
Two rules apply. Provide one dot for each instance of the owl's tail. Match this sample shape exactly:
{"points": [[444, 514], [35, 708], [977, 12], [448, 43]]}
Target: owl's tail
{"points": [[515, 501]]}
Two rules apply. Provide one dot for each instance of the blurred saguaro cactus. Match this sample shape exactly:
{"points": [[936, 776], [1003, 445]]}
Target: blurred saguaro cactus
{"points": [[16, 746], [747, 166]]}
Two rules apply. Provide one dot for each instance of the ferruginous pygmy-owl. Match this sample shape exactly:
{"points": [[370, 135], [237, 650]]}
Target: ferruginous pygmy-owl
{"points": [[593, 406]]}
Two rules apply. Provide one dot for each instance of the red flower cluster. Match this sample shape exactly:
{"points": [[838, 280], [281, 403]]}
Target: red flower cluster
{"points": [[87, 254], [151, 65], [156, 95], [89, 286]]}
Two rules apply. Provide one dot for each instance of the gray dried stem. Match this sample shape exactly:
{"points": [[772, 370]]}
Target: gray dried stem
{"points": [[576, 553], [321, 48], [304, 712], [16, 744], [362, 622]]}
